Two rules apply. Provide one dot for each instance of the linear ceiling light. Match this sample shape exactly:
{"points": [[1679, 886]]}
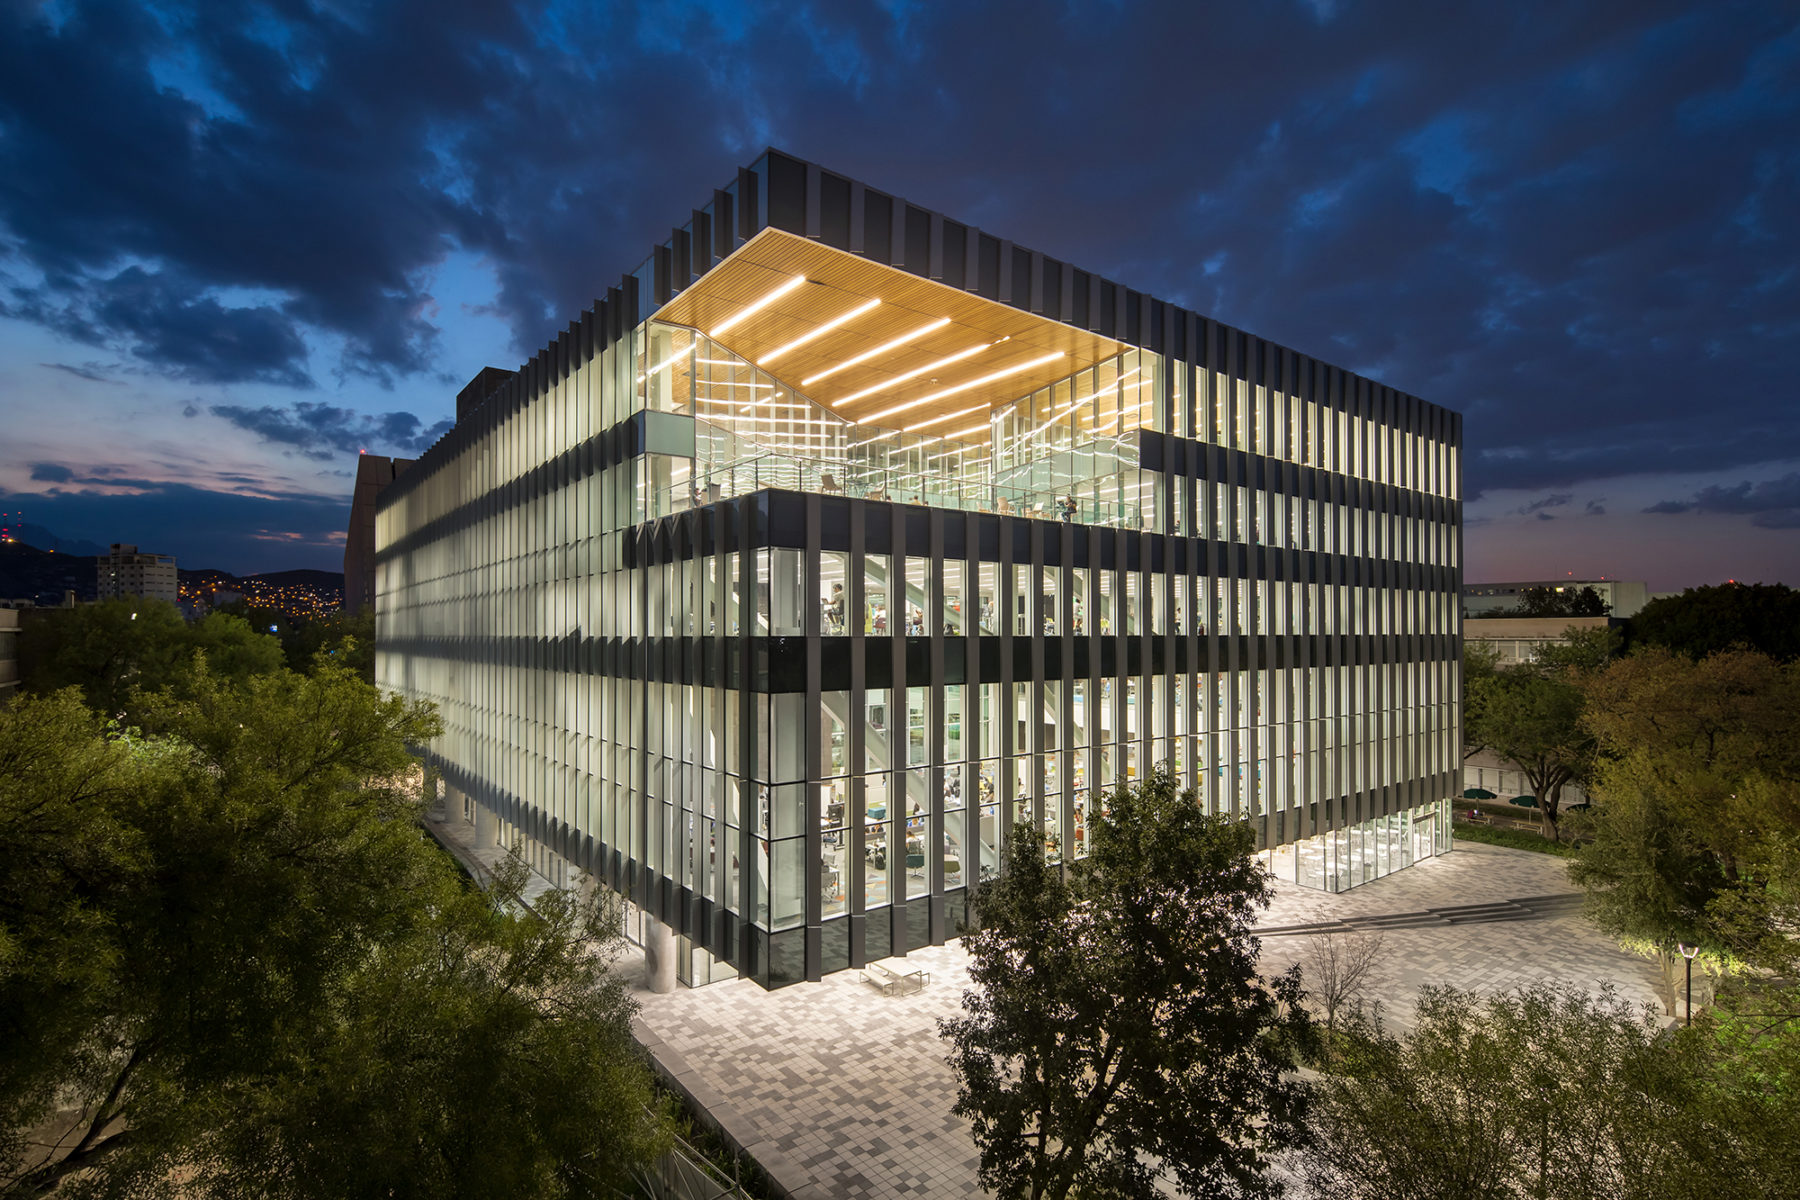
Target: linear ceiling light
{"points": [[866, 355], [820, 332], [1015, 369], [897, 380], [938, 420], [758, 306]]}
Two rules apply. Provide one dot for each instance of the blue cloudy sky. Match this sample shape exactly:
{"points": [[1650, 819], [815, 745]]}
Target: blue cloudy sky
{"points": [[241, 242]]}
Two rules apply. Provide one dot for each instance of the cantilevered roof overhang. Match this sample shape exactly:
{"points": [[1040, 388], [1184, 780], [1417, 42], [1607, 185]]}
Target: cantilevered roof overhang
{"points": [[874, 344]]}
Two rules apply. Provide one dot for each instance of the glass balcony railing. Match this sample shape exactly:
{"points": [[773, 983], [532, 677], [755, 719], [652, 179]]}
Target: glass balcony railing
{"points": [[728, 481]]}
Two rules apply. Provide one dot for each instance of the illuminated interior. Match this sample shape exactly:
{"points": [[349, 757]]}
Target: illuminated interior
{"points": [[809, 368]]}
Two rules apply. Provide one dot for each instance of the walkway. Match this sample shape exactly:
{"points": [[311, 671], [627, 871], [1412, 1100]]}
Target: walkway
{"points": [[840, 1091], [458, 837]]}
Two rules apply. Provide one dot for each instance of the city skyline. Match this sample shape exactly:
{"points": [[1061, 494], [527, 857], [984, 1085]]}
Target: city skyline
{"points": [[235, 250]]}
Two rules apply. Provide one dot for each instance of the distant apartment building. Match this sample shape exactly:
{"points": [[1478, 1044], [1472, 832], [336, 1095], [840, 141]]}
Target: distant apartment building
{"points": [[124, 571], [374, 472], [1623, 597]]}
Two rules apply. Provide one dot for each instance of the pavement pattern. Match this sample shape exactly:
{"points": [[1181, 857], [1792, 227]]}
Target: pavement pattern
{"points": [[840, 1091]]}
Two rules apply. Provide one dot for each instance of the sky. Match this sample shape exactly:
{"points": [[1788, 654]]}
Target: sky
{"points": [[240, 243]]}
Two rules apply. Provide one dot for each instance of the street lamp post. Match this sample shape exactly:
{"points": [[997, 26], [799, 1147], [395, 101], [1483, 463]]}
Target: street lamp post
{"points": [[1688, 952]]}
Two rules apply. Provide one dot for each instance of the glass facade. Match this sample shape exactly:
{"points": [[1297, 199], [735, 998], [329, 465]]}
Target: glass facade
{"points": [[786, 679]]}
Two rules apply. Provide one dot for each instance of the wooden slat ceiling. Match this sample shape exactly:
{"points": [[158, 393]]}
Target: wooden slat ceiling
{"points": [[837, 282]]}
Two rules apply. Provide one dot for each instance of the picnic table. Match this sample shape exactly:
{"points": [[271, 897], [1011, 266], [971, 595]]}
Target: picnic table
{"points": [[892, 982]]}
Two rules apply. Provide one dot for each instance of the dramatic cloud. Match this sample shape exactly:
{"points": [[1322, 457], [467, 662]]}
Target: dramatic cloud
{"points": [[1772, 504], [1574, 222], [1555, 501], [51, 473], [322, 432], [91, 372]]}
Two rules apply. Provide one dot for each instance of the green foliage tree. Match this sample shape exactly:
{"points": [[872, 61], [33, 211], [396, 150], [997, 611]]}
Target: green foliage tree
{"points": [[347, 637], [1705, 620], [1117, 1026], [1696, 826], [1480, 662], [1564, 602], [227, 926], [1551, 1092], [1530, 715], [110, 649], [532, 1088]]}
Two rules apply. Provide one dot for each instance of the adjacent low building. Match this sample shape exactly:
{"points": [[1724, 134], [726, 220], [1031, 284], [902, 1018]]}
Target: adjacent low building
{"points": [[840, 538], [124, 571], [1621, 597]]}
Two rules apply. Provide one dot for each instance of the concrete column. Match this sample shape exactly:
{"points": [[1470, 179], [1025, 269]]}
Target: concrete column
{"points": [[485, 827], [431, 792], [455, 802], [659, 955]]}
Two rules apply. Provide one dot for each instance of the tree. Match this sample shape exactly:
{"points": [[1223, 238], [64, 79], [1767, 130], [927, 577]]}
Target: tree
{"points": [[535, 1090], [1481, 660], [1117, 1025], [112, 648], [1338, 969], [1696, 807], [262, 937], [1544, 1092], [1531, 715], [1560, 602], [1705, 620]]}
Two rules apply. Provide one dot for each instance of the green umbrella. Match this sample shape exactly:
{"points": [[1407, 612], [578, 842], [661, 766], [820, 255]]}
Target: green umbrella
{"points": [[1525, 801], [1478, 794]]}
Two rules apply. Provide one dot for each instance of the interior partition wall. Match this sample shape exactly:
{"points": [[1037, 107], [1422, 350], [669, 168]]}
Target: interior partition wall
{"points": [[797, 725]]}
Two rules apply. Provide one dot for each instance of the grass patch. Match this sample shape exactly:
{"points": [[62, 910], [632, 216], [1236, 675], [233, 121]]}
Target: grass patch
{"points": [[1517, 839]]}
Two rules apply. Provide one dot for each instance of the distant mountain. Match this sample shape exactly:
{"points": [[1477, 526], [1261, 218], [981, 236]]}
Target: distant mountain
{"points": [[42, 576], [43, 539]]}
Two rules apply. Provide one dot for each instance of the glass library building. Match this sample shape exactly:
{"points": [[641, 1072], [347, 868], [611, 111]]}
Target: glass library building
{"points": [[841, 538]]}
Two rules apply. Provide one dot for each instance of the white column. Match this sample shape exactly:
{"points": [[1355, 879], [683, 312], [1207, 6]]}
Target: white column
{"points": [[660, 948]]}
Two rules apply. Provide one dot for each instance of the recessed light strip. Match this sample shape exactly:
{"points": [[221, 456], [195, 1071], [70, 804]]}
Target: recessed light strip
{"points": [[866, 355], [897, 380], [820, 332], [756, 307], [1015, 369]]}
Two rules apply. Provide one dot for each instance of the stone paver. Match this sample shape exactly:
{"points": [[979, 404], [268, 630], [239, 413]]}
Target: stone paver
{"points": [[840, 1091]]}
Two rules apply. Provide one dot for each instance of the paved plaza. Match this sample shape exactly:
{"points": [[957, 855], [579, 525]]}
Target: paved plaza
{"points": [[840, 1091]]}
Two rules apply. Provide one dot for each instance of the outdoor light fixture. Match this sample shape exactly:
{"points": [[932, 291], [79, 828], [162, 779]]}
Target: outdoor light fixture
{"points": [[866, 355], [963, 387], [1688, 953], [897, 380], [820, 332], [759, 305]]}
